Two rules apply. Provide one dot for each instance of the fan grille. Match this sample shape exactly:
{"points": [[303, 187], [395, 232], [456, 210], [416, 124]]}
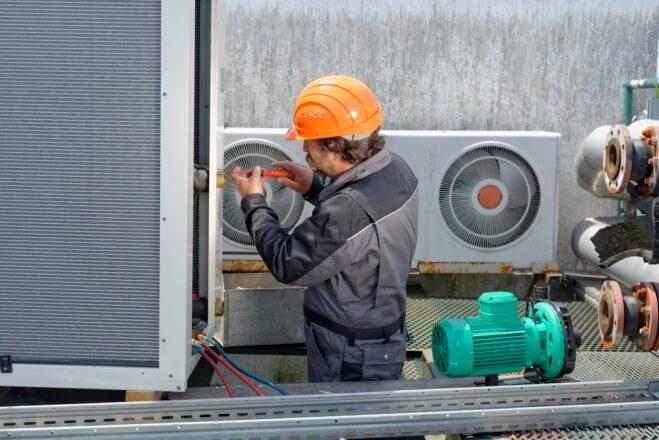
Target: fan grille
{"points": [[287, 204], [487, 167]]}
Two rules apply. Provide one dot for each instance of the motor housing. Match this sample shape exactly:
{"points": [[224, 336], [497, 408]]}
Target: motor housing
{"points": [[497, 341]]}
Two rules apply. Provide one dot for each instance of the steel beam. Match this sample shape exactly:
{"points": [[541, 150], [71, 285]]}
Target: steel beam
{"points": [[350, 415]]}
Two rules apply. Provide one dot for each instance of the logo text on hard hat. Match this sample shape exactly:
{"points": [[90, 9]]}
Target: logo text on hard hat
{"points": [[312, 115]]}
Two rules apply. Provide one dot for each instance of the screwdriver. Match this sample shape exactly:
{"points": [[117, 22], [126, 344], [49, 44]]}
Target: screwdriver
{"points": [[268, 173]]}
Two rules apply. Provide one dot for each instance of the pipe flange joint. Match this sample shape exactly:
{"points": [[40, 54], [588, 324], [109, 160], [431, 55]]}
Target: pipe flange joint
{"points": [[617, 160], [611, 315], [646, 335]]}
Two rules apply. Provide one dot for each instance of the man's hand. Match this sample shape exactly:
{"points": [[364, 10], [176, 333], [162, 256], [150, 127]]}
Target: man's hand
{"points": [[249, 185], [303, 176]]}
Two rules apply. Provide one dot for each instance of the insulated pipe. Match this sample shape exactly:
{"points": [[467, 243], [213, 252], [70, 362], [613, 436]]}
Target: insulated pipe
{"points": [[629, 271]]}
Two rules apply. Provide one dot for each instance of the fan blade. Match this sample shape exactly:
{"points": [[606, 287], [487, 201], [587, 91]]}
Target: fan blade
{"points": [[515, 183]]}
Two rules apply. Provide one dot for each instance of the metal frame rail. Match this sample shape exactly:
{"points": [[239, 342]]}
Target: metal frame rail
{"points": [[356, 415]]}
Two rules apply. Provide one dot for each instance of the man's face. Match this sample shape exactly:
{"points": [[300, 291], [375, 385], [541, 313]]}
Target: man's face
{"points": [[317, 158]]}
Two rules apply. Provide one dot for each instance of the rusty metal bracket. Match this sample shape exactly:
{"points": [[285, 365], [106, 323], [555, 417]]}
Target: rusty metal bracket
{"points": [[429, 267], [244, 266], [546, 268]]}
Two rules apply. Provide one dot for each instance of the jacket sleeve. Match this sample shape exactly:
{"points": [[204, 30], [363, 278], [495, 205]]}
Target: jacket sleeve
{"points": [[306, 257]]}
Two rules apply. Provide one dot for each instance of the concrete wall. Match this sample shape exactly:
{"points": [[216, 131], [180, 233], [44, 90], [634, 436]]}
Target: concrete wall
{"points": [[500, 65]]}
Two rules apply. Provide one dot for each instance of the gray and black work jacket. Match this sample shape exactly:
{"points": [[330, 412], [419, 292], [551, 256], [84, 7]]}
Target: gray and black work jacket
{"points": [[354, 252]]}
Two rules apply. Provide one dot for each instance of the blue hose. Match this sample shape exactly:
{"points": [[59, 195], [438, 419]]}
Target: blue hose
{"points": [[218, 349]]}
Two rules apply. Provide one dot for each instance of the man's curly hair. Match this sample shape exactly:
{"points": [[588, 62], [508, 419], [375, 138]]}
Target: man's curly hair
{"points": [[355, 151]]}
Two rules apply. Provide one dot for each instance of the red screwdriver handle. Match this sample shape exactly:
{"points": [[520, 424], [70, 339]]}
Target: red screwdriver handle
{"points": [[278, 173], [269, 173]]}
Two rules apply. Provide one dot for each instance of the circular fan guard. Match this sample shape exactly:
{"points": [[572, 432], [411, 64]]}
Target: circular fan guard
{"points": [[287, 204], [498, 169]]}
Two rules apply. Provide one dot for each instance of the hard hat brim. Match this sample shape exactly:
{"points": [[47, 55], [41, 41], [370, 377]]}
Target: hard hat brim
{"points": [[292, 134]]}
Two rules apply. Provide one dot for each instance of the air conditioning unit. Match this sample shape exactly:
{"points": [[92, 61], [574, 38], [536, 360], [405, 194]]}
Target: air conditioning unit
{"points": [[246, 148], [96, 193], [486, 197]]}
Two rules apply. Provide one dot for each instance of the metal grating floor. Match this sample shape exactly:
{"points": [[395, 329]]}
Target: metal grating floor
{"points": [[602, 432], [424, 312], [593, 366], [416, 369]]}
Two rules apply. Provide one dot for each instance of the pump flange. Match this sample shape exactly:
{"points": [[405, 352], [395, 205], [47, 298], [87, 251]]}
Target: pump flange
{"points": [[611, 315], [647, 327]]}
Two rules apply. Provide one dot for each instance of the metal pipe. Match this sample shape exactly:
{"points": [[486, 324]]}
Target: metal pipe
{"points": [[585, 275], [628, 95], [629, 271], [589, 162]]}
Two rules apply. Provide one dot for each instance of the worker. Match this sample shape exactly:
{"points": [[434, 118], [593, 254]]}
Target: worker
{"points": [[353, 254]]}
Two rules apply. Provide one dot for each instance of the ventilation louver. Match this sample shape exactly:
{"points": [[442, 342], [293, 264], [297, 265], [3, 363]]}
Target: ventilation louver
{"points": [[286, 203], [489, 196]]}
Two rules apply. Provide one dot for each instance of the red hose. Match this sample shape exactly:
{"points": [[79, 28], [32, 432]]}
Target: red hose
{"points": [[238, 374], [219, 373]]}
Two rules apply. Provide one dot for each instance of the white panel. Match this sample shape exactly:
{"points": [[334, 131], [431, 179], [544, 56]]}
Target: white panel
{"points": [[216, 147], [176, 174]]}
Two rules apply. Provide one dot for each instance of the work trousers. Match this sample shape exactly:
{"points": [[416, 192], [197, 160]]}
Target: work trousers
{"points": [[331, 358]]}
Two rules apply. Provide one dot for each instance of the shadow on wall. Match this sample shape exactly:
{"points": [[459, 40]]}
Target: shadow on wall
{"points": [[510, 65]]}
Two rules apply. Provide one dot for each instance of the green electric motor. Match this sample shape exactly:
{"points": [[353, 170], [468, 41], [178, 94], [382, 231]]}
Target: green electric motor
{"points": [[498, 341]]}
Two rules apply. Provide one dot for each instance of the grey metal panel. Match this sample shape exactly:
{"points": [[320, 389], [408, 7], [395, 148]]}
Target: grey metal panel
{"points": [[80, 181], [270, 316], [267, 315]]}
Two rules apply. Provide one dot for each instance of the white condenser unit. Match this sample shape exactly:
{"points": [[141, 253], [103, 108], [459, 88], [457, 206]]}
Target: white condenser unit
{"points": [[97, 154], [485, 196], [246, 148]]}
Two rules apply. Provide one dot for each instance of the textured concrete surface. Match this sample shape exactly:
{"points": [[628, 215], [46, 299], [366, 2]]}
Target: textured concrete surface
{"points": [[504, 65]]}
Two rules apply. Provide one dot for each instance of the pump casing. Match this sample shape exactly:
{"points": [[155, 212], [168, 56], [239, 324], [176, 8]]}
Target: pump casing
{"points": [[498, 341]]}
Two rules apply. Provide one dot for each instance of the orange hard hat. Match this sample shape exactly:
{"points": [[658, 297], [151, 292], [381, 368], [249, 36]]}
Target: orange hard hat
{"points": [[335, 106]]}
